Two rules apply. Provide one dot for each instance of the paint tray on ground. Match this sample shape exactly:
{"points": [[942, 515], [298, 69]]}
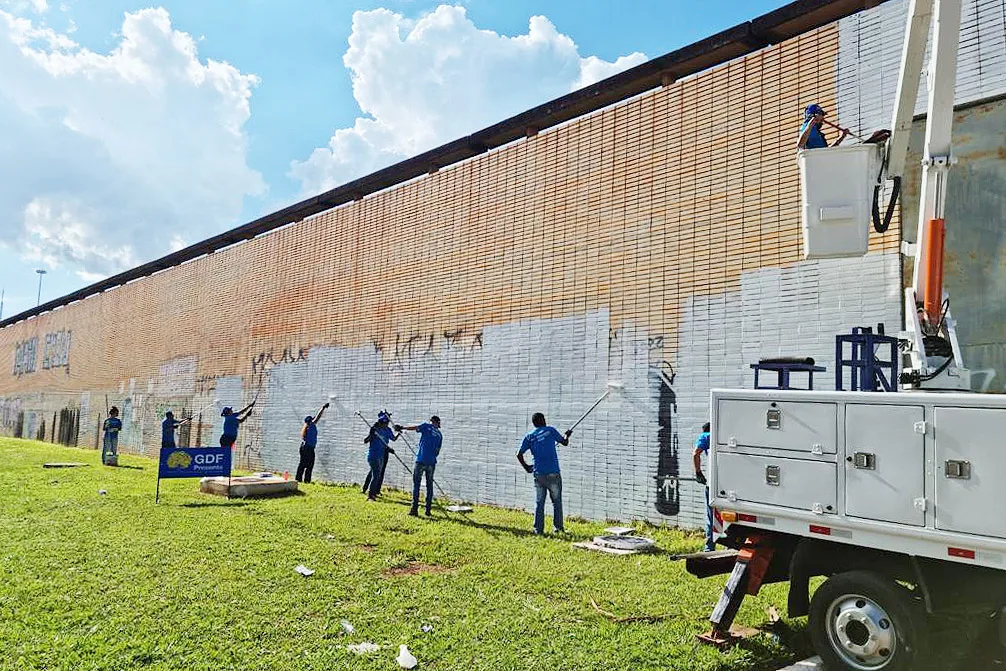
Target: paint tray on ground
{"points": [[248, 486], [594, 547]]}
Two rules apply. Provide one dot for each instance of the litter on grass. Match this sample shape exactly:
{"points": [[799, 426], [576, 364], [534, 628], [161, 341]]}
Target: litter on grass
{"points": [[618, 545], [619, 531], [406, 659], [459, 509], [303, 570], [363, 648], [102, 492], [348, 627], [427, 628]]}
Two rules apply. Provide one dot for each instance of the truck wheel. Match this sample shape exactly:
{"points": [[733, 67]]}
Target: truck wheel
{"points": [[863, 621]]}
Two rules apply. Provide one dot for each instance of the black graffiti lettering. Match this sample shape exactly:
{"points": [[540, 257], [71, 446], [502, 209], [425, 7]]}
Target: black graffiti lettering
{"points": [[264, 361]]}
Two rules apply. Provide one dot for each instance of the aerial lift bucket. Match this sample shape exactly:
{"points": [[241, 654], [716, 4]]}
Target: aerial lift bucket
{"points": [[837, 185]]}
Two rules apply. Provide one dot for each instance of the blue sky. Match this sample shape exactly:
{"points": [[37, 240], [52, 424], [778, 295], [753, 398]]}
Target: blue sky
{"points": [[131, 143]]}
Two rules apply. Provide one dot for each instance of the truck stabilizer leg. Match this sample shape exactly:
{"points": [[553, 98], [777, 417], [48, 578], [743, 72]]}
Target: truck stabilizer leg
{"points": [[749, 572]]}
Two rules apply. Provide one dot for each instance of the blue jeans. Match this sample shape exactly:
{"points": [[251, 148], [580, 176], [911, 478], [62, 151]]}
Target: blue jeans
{"points": [[551, 484], [376, 477], [417, 478], [710, 544]]}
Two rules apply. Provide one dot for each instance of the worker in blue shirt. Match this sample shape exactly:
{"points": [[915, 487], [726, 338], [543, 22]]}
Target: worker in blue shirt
{"points": [[233, 420], [110, 444], [379, 441], [811, 136], [309, 440], [702, 447], [541, 442], [430, 441], [168, 427]]}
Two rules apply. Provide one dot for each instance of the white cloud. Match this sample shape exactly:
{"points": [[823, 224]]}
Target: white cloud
{"points": [[424, 82], [118, 155]]}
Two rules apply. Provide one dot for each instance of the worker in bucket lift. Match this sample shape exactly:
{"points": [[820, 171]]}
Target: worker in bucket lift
{"points": [[811, 136], [309, 440], [702, 447], [110, 445], [541, 441], [430, 440], [379, 440], [233, 420]]}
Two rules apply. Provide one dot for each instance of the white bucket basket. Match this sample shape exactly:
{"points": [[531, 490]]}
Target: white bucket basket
{"points": [[837, 196]]}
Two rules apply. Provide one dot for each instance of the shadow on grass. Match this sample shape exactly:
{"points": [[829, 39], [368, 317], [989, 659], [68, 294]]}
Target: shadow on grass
{"points": [[128, 468], [223, 503]]}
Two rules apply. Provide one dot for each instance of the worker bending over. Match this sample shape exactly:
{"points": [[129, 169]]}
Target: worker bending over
{"points": [[541, 442], [308, 442], [811, 135], [430, 441]]}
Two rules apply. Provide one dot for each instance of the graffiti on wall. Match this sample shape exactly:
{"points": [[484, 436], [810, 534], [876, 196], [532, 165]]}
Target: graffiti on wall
{"points": [[264, 361], [413, 345], [25, 356], [56, 350]]}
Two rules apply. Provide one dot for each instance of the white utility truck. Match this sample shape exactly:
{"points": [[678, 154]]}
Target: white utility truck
{"points": [[898, 499]]}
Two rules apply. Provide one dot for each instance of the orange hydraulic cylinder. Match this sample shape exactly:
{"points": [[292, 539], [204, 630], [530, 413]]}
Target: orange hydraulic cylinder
{"points": [[932, 288]]}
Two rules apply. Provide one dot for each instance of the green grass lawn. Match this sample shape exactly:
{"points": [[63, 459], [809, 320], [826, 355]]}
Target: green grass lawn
{"points": [[90, 581]]}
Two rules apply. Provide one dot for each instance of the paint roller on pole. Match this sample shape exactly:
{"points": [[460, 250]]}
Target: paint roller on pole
{"points": [[383, 440], [200, 411], [611, 387]]}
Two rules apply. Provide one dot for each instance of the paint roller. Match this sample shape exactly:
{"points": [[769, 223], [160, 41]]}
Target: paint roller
{"points": [[200, 411]]}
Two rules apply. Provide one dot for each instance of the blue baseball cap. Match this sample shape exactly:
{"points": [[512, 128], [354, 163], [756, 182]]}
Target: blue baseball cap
{"points": [[812, 110], [308, 418]]}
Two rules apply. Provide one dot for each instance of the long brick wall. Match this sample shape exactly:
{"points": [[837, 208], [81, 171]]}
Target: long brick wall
{"points": [[655, 243]]}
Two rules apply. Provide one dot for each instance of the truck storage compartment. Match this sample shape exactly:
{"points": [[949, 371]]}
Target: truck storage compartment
{"points": [[971, 470], [885, 463], [793, 483], [781, 425]]}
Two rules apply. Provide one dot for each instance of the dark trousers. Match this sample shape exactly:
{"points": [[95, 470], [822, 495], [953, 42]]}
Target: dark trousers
{"points": [[306, 464], [370, 475], [376, 476], [417, 478]]}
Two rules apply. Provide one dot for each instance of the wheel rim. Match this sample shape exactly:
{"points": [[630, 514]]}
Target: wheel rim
{"points": [[861, 632]]}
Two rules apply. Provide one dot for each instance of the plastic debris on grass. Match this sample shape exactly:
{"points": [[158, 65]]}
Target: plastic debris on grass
{"points": [[102, 492], [406, 659], [363, 648], [348, 627], [427, 628], [458, 509], [303, 570]]}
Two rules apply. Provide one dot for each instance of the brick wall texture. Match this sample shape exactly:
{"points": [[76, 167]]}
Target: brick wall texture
{"points": [[655, 243]]}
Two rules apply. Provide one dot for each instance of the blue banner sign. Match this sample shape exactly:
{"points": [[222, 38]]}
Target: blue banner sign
{"points": [[194, 462]]}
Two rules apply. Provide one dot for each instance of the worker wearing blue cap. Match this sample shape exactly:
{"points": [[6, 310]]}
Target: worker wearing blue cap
{"points": [[811, 136], [233, 420], [379, 441], [309, 440]]}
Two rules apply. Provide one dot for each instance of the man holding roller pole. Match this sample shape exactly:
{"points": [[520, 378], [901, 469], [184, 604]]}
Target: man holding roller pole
{"points": [[702, 447], [233, 420], [430, 440], [541, 442], [379, 440], [811, 136], [309, 441]]}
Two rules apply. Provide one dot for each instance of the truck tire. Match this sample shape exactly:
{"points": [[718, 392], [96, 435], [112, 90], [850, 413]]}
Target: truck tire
{"points": [[864, 621]]}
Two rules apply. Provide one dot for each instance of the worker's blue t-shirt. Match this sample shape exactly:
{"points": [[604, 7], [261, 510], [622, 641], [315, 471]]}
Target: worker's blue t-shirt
{"points": [[168, 430], [541, 441], [703, 442], [377, 446], [816, 139], [430, 440], [231, 424], [310, 434], [112, 425]]}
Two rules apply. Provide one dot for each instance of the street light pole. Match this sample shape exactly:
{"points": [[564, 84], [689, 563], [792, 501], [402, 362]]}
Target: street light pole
{"points": [[40, 272]]}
